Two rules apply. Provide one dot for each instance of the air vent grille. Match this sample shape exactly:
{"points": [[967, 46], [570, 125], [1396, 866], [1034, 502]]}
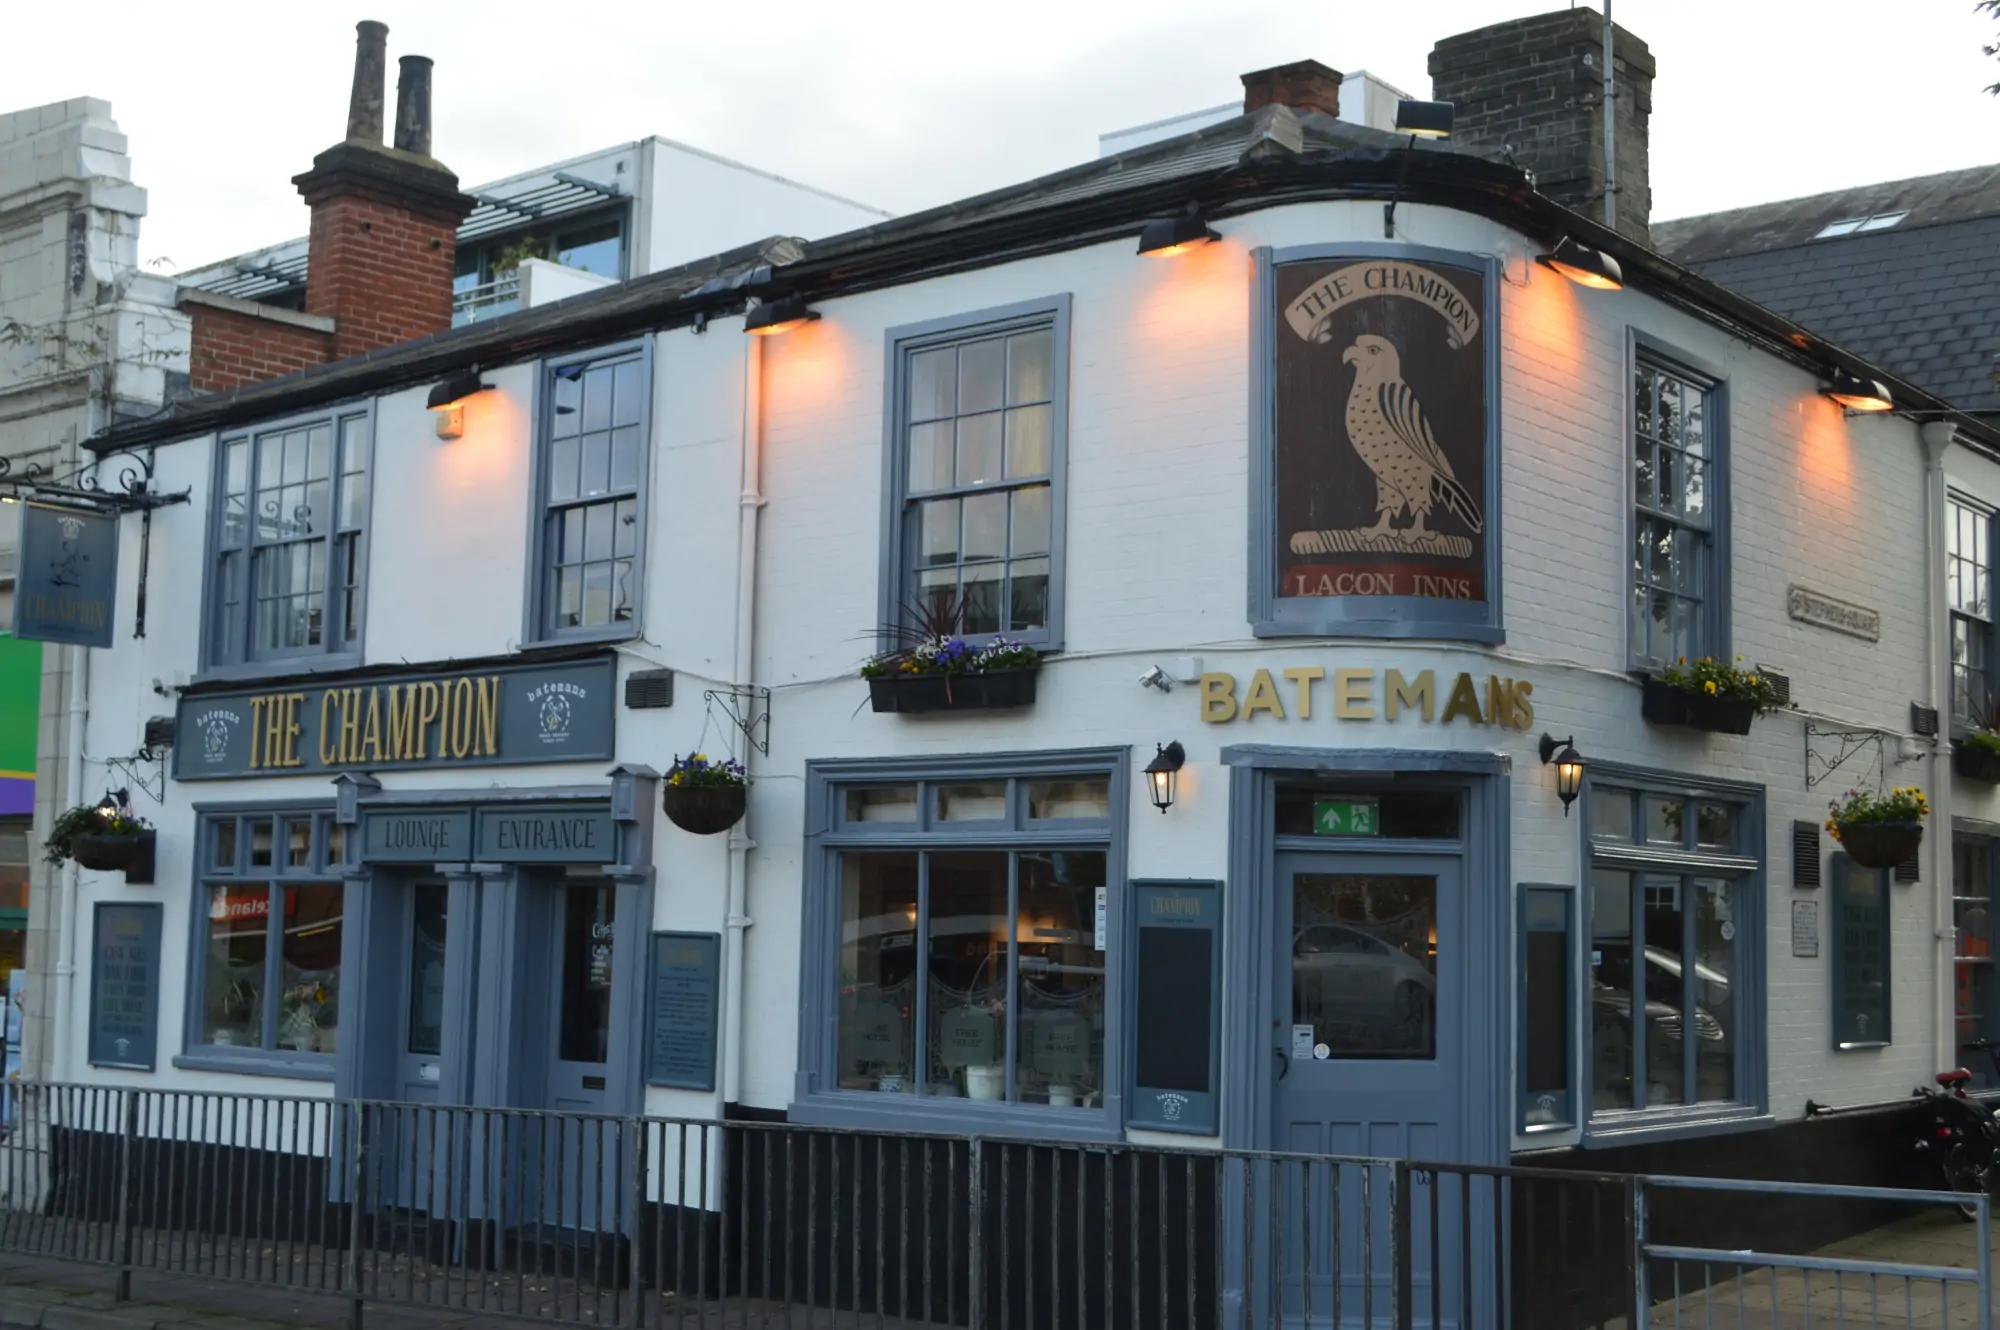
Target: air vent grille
{"points": [[1781, 684], [1805, 855], [1923, 719], [645, 689], [1908, 870]]}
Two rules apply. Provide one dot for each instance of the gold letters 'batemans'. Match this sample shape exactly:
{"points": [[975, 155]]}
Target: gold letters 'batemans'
{"points": [[1380, 421], [1368, 695]]}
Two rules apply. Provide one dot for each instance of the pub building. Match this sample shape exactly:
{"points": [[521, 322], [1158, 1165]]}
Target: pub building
{"points": [[1339, 815]]}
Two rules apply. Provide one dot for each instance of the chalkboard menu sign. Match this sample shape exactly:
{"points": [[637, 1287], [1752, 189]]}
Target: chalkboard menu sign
{"points": [[1177, 953], [686, 977], [125, 986]]}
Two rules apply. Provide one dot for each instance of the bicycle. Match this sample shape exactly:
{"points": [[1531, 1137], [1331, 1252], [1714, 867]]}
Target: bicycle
{"points": [[1963, 1133]]}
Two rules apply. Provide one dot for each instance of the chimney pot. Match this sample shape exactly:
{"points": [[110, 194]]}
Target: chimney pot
{"points": [[1303, 85], [371, 58], [413, 105]]}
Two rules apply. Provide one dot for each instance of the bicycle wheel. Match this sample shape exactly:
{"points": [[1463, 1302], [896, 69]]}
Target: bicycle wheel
{"points": [[1966, 1175]]}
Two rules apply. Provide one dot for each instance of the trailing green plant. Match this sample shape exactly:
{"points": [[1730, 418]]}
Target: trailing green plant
{"points": [[1709, 677], [931, 642], [89, 820], [1905, 803], [696, 769]]}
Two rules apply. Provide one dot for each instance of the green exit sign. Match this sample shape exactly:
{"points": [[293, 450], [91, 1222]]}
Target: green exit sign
{"points": [[1345, 819]]}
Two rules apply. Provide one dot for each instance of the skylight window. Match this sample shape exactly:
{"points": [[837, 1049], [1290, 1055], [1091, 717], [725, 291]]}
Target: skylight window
{"points": [[1848, 226]]}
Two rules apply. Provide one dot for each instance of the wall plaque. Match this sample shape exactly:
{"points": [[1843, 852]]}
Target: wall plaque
{"points": [[1805, 929], [67, 581], [686, 977], [490, 716], [1823, 611], [125, 985]]}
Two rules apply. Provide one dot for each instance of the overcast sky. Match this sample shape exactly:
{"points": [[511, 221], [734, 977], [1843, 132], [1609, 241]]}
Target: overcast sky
{"points": [[905, 104]]}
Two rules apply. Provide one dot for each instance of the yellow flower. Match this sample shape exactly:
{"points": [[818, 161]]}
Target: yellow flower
{"points": [[1710, 687], [1753, 681], [1684, 660]]}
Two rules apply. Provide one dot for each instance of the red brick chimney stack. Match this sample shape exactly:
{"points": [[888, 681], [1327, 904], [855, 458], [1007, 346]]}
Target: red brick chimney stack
{"points": [[385, 220], [1304, 85]]}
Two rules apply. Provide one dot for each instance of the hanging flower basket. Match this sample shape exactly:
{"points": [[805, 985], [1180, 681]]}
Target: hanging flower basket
{"points": [[1880, 844], [109, 854], [912, 694], [705, 797]]}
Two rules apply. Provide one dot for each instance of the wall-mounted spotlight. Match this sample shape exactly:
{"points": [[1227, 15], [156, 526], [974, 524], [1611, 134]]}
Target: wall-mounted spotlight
{"points": [[1429, 120], [1569, 768], [1859, 394], [448, 398], [1163, 774], [1584, 266], [1168, 236], [778, 316]]}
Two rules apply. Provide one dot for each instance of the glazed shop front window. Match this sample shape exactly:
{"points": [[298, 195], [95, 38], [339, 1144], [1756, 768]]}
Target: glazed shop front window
{"points": [[974, 974], [268, 955]]}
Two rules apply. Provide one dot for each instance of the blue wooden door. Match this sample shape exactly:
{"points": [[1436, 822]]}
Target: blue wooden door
{"points": [[582, 1147], [1366, 1007], [428, 1156]]}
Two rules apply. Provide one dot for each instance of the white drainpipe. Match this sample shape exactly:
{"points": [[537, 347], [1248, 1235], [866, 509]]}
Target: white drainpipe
{"points": [[749, 503], [1937, 437]]}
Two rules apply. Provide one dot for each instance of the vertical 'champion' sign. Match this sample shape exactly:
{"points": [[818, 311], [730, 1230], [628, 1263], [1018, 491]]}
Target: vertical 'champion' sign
{"points": [[1380, 418]]}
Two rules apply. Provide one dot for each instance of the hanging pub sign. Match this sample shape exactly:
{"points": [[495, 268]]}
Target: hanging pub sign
{"points": [[493, 715], [1381, 438], [66, 584]]}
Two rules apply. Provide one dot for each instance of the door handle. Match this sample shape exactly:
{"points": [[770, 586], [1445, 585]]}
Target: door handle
{"points": [[1284, 1063]]}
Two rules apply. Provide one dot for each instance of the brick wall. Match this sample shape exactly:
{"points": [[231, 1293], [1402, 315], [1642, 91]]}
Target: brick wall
{"points": [[382, 272], [232, 349]]}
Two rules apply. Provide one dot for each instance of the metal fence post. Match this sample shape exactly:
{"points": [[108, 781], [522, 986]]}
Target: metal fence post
{"points": [[635, 1164], [357, 1148], [1985, 1321], [1642, 1302], [1401, 1301], [128, 1128], [975, 1194]]}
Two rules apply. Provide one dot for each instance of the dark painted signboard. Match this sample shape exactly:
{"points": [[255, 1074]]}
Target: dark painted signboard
{"points": [[686, 979], [1176, 1021], [67, 583], [125, 985], [416, 835], [575, 833], [505, 715], [1380, 420]]}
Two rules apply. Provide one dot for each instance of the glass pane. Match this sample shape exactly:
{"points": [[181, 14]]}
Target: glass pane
{"points": [[567, 407], [319, 452], [596, 399], [1666, 481], [983, 802], [569, 597], [986, 526], [597, 594], [933, 380], [260, 843], [938, 592], [1059, 1053], [354, 499], [1666, 818], [595, 249], [1666, 1047], [1545, 1007], [597, 524], [980, 596], [625, 458], [930, 456], [1031, 521], [335, 844], [1715, 826], [584, 1018], [426, 1000], [1667, 422], [1694, 421], [233, 978], [882, 803], [1712, 991], [298, 843], [294, 467], [1030, 366], [966, 961], [1683, 566], [628, 393], [1364, 963], [938, 538], [595, 450], [876, 987], [1694, 490], [563, 456], [308, 1014], [1610, 989], [1027, 595], [979, 449], [1642, 401], [1029, 441], [1611, 813], [223, 841], [1642, 471], [625, 531], [1086, 798], [981, 373]]}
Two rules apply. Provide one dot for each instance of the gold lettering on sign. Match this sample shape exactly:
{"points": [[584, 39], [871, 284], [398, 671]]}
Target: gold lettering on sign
{"points": [[489, 716], [257, 705], [1352, 693], [427, 711], [326, 728], [369, 748], [352, 742], [1263, 696], [1305, 676], [1464, 701], [462, 718], [1218, 698], [1401, 692], [1524, 710], [402, 722]]}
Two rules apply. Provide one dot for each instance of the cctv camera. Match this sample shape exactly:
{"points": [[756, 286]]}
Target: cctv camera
{"points": [[1155, 677]]}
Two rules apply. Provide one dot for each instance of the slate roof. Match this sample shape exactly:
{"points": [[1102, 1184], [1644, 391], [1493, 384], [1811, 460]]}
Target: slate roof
{"points": [[1920, 297]]}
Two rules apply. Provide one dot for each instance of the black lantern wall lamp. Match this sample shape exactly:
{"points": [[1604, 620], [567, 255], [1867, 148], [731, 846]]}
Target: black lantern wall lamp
{"points": [[1163, 774], [1569, 768], [448, 398]]}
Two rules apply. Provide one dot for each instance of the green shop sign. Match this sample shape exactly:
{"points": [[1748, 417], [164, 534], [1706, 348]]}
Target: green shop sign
{"points": [[505, 715]]}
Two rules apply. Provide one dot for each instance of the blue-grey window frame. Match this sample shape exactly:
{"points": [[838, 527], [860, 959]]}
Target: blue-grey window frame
{"points": [[828, 835], [1844, 868], [323, 871], [1399, 617], [537, 609], [1964, 830], [895, 580], [1644, 349], [242, 664], [1986, 632], [1573, 1041], [1751, 1108]]}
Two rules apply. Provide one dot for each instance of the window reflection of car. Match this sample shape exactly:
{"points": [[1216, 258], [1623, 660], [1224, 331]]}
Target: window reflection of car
{"points": [[1364, 975], [1663, 994]]}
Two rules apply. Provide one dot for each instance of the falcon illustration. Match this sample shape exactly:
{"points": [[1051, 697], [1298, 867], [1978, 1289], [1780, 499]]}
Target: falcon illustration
{"points": [[1386, 425]]}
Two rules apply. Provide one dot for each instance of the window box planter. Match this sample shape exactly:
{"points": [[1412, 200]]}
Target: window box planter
{"points": [[1664, 704], [1880, 844], [109, 854], [915, 694], [1976, 762], [704, 810]]}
